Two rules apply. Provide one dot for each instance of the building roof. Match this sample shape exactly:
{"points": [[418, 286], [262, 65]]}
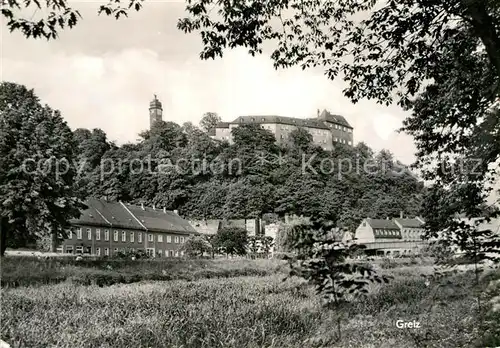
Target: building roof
{"points": [[382, 224], [329, 117], [410, 223], [299, 122], [160, 220], [222, 125], [104, 213]]}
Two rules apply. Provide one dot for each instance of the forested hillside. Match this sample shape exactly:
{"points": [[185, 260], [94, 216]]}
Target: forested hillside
{"points": [[181, 167]]}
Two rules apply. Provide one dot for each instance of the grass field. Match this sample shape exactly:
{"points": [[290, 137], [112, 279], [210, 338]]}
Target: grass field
{"points": [[243, 311], [25, 271]]}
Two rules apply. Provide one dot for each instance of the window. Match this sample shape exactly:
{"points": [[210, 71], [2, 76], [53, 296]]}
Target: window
{"points": [[139, 237], [98, 251], [124, 236], [115, 250], [176, 239], [182, 239], [106, 234], [169, 239], [79, 250], [106, 251], [98, 234], [160, 253], [79, 233], [132, 237], [150, 237], [115, 236], [69, 249], [160, 238], [89, 234], [150, 251]]}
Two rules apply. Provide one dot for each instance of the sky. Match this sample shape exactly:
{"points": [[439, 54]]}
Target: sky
{"points": [[103, 73]]}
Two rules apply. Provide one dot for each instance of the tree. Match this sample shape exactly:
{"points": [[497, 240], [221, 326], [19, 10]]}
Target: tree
{"points": [[196, 246], [301, 138], [209, 121], [37, 176], [266, 243], [231, 240]]}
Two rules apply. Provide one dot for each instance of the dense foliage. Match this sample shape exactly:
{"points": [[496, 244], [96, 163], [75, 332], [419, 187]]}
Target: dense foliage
{"points": [[37, 176]]}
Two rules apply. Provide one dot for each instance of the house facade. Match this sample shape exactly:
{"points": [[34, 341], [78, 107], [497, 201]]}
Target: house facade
{"points": [[326, 130], [106, 228], [211, 226], [391, 236]]}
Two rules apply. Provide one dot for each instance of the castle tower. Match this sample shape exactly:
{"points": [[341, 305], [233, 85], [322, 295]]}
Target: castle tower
{"points": [[155, 111]]}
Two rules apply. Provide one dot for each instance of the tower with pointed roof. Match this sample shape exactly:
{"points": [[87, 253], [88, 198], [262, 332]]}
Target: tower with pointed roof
{"points": [[155, 111]]}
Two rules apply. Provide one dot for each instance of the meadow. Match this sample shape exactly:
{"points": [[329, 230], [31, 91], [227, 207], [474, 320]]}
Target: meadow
{"points": [[247, 311]]}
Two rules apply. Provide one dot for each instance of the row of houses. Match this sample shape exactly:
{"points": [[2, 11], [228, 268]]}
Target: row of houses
{"points": [[106, 228], [391, 237]]}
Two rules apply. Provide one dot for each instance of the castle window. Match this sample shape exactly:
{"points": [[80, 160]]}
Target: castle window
{"points": [[106, 234], [139, 237], [115, 236], [79, 233], [98, 234], [132, 237], [160, 238], [124, 236]]}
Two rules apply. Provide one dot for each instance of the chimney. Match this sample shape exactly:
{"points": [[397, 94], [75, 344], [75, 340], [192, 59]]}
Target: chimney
{"points": [[164, 210], [142, 206], [401, 214]]}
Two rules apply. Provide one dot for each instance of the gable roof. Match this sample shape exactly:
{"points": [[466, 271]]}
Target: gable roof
{"points": [[299, 122], [160, 221], [382, 224], [329, 117], [410, 223], [104, 213]]}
